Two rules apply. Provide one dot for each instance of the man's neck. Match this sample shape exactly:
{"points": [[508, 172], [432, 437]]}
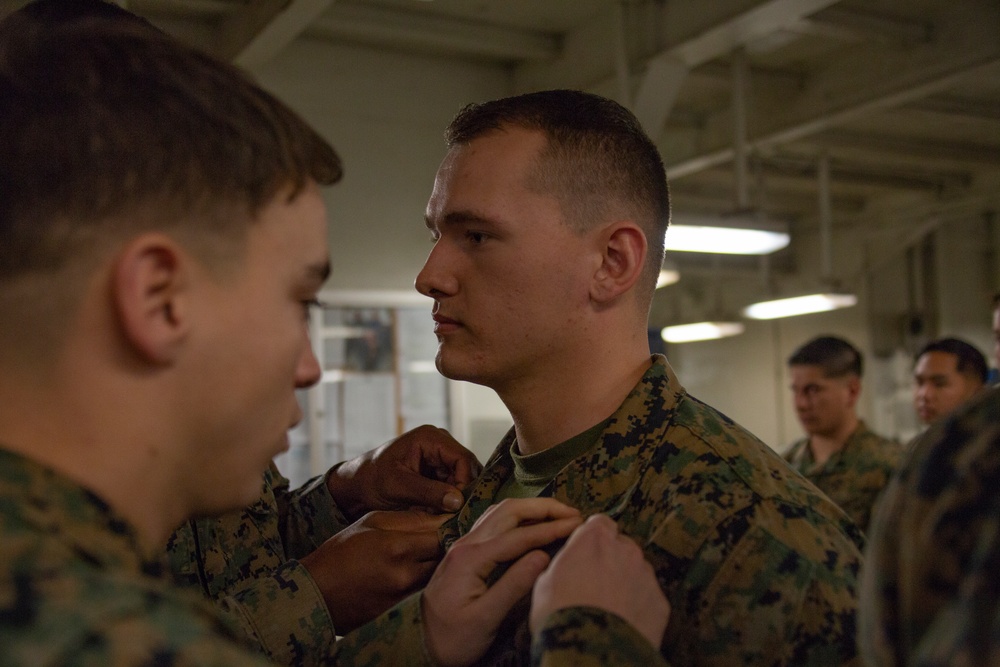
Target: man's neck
{"points": [[63, 432], [556, 409], [823, 446]]}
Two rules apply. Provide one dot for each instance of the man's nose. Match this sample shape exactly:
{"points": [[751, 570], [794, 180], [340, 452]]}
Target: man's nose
{"points": [[436, 279], [308, 371]]}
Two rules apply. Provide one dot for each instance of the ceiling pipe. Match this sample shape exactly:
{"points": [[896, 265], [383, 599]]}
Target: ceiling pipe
{"points": [[740, 75], [825, 219], [622, 75]]}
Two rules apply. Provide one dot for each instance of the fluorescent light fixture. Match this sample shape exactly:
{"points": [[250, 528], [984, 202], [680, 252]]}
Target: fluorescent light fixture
{"points": [[798, 305], [667, 276], [724, 240], [741, 234], [689, 333]]}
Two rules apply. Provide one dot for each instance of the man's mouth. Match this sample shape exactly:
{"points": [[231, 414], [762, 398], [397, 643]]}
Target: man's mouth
{"points": [[443, 324]]}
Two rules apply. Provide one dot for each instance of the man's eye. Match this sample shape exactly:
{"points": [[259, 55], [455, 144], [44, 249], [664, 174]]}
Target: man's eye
{"points": [[476, 238]]}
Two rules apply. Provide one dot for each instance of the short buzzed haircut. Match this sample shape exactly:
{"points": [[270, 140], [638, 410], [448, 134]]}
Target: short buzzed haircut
{"points": [[835, 356], [968, 360], [598, 161], [109, 127]]}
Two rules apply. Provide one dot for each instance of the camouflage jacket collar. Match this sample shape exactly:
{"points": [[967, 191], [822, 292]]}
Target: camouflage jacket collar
{"points": [[37, 500], [603, 479], [802, 458]]}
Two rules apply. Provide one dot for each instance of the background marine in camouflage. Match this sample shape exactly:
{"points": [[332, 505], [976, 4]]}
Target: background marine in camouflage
{"points": [[840, 455], [855, 476], [946, 373]]}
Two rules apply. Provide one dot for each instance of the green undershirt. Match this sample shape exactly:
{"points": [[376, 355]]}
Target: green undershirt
{"points": [[533, 472]]}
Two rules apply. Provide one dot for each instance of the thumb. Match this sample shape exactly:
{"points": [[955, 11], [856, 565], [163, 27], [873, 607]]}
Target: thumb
{"points": [[413, 489]]}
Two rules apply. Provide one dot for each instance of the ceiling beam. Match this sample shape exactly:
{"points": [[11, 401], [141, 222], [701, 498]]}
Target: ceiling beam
{"points": [[861, 24], [849, 88], [869, 174], [265, 27], [692, 35], [956, 105], [778, 200], [916, 148], [399, 29], [727, 34], [665, 72]]}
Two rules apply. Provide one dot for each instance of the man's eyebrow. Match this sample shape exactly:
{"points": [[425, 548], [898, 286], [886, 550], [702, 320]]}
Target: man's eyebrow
{"points": [[459, 218]]}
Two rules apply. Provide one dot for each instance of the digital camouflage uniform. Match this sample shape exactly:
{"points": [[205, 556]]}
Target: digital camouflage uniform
{"points": [[76, 589], [853, 477], [931, 583], [758, 567], [246, 561], [242, 560]]}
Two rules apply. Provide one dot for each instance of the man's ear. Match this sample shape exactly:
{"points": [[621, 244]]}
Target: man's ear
{"points": [[150, 283], [624, 254], [854, 387]]}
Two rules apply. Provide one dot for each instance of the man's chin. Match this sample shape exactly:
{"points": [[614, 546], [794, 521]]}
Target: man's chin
{"points": [[239, 500], [452, 369], [236, 492]]}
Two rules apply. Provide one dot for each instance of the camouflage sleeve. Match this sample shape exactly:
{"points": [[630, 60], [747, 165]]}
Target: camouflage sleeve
{"points": [[394, 638], [307, 516], [284, 612], [589, 637]]}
